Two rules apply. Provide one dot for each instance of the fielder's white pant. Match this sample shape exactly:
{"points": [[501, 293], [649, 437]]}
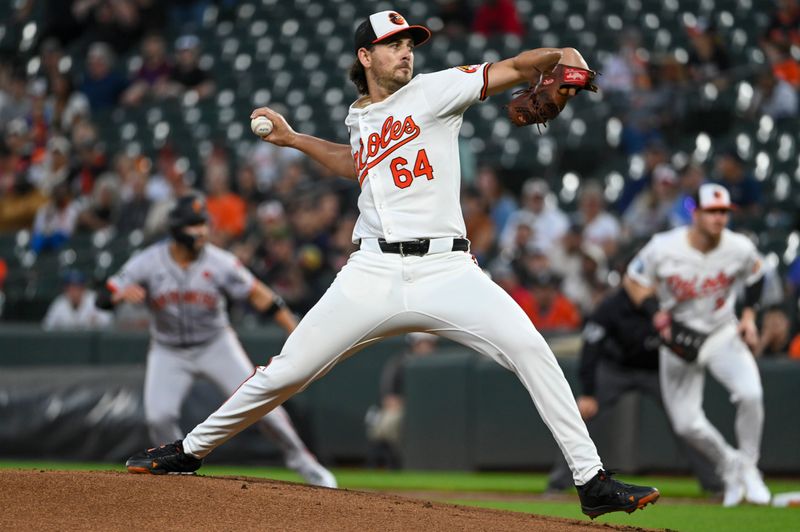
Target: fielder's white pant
{"points": [[729, 360], [378, 295], [171, 372]]}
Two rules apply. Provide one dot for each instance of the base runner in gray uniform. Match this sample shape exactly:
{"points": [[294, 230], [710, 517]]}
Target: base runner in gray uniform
{"points": [[185, 282]]}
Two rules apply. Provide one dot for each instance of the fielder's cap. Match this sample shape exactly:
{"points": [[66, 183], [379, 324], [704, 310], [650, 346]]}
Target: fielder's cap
{"points": [[382, 25], [73, 277], [713, 196]]}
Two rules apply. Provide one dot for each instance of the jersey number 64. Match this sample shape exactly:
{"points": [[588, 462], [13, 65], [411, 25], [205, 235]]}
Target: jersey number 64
{"points": [[404, 177]]}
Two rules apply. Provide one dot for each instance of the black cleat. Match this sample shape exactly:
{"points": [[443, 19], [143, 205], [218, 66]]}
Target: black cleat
{"points": [[167, 459], [603, 494]]}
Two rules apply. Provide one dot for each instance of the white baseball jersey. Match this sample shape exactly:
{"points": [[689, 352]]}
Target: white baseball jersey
{"points": [[405, 175], [697, 288], [188, 305]]}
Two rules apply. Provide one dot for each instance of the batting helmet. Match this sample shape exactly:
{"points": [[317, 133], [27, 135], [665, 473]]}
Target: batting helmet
{"points": [[188, 210]]}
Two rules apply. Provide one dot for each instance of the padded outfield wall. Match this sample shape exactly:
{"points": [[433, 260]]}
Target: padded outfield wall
{"points": [[78, 395]]}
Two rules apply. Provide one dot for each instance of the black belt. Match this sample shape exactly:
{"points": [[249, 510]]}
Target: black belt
{"points": [[418, 247]]}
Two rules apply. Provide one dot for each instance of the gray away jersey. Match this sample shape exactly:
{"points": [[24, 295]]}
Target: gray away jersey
{"points": [[187, 305]]}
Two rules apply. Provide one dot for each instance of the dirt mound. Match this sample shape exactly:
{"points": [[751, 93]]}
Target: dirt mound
{"points": [[69, 500]]}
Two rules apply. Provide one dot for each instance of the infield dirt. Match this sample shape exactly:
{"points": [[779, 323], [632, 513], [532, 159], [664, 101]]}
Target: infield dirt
{"points": [[70, 500]]}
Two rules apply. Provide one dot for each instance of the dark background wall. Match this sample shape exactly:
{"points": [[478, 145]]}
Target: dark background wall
{"points": [[79, 396]]}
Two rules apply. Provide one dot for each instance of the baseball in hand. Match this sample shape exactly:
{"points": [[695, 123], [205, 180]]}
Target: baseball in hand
{"points": [[261, 126]]}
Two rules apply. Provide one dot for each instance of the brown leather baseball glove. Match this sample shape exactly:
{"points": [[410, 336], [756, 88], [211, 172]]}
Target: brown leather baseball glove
{"points": [[544, 100]]}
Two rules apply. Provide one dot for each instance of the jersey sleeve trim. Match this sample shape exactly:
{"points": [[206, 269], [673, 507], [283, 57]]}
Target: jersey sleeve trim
{"points": [[485, 81]]}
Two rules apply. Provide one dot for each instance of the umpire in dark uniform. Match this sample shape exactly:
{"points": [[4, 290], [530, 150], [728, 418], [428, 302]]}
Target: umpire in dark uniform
{"points": [[620, 354]]}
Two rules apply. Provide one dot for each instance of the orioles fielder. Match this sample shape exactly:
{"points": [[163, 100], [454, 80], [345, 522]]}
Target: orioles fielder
{"points": [[185, 282], [685, 279], [413, 271]]}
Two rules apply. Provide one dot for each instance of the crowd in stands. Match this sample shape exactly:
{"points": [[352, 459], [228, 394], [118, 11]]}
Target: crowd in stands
{"points": [[291, 222]]}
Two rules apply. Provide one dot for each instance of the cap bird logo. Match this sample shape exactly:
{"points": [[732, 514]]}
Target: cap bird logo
{"points": [[717, 194], [395, 18], [197, 205]]}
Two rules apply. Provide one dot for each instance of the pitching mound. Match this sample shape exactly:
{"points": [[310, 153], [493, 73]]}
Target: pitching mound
{"points": [[68, 500]]}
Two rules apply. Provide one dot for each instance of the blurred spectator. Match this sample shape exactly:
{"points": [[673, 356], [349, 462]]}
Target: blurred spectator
{"points": [[152, 77], [501, 204], [135, 209], [248, 189], [187, 74], [497, 17], [784, 66], [655, 153], [456, 15], [55, 221], [19, 200], [269, 162], [176, 182], [385, 422], [102, 210], [622, 69], [708, 58], [585, 285], [692, 176], [55, 168], [52, 55], [65, 105], [599, 227], [480, 229], [14, 101], [90, 161], [774, 333], [549, 310], [794, 348], [541, 213], [745, 190], [101, 84], [74, 309], [784, 24], [773, 97], [227, 210], [566, 255], [649, 212]]}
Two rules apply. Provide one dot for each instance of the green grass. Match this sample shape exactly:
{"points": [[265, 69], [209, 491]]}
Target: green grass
{"points": [[674, 511]]}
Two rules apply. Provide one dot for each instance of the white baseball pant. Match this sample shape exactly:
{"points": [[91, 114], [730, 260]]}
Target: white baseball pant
{"points": [[729, 360], [171, 372], [378, 295]]}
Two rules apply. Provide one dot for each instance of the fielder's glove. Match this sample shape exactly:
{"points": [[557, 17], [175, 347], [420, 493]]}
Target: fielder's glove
{"points": [[685, 341], [545, 99]]}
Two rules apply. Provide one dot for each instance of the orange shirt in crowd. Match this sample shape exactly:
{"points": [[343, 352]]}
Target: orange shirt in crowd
{"points": [[561, 316], [794, 348], [228, 213]]}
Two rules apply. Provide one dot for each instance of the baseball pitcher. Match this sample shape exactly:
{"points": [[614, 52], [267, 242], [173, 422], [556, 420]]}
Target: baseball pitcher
{"points": [[185, 283], [413, 271], [686, 279]]}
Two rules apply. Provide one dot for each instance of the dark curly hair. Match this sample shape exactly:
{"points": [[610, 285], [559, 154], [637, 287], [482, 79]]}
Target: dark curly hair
{"points": [[359, 76]]}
